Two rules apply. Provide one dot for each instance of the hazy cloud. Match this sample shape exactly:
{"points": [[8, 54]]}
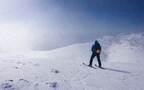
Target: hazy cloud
{"points": [[53, 23]]}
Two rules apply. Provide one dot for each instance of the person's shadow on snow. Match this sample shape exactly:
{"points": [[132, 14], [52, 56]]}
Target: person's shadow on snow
{"points": [[116, 70]]}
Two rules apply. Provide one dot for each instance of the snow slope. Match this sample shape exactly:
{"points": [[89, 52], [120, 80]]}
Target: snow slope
{"points": [[62, 69]]}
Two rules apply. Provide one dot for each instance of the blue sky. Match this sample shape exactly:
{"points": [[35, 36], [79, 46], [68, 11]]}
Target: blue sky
{"points": [[56, 23], [94, 15]]}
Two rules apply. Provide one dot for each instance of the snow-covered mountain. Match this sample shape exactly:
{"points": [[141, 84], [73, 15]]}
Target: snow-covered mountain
{"points": [[62, 69]]}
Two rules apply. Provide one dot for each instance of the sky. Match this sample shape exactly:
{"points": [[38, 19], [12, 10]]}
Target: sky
{"points": [[50, 24]]}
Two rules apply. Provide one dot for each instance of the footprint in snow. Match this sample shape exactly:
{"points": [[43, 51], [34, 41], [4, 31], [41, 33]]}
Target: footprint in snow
{"points": [[16, 67], [52, 84], [14, 85], [21, 63], [8, 85], [55, 71], [36, 64]]}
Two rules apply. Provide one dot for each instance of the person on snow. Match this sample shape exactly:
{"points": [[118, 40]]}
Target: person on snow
{"points": [[96, 50]]}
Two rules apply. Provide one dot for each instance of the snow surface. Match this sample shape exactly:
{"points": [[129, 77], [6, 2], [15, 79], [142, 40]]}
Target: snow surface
{"points": [[62, 69]]}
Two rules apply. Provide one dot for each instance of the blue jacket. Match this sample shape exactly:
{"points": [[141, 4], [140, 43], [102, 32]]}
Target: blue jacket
{"points": [[95, 47]]}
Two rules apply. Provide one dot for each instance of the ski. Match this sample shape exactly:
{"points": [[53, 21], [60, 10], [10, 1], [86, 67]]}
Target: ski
{"points": [[89, 66], [100, 67]]}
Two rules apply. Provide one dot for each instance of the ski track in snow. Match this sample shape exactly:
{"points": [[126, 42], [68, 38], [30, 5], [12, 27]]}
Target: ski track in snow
{"points": [[61, 70]]}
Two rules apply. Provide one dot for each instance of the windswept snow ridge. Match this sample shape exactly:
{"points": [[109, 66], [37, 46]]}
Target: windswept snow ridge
{"points": [[62, 69]]}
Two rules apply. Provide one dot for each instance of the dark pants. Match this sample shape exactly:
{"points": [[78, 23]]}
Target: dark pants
{"points": [[98, 58]]}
